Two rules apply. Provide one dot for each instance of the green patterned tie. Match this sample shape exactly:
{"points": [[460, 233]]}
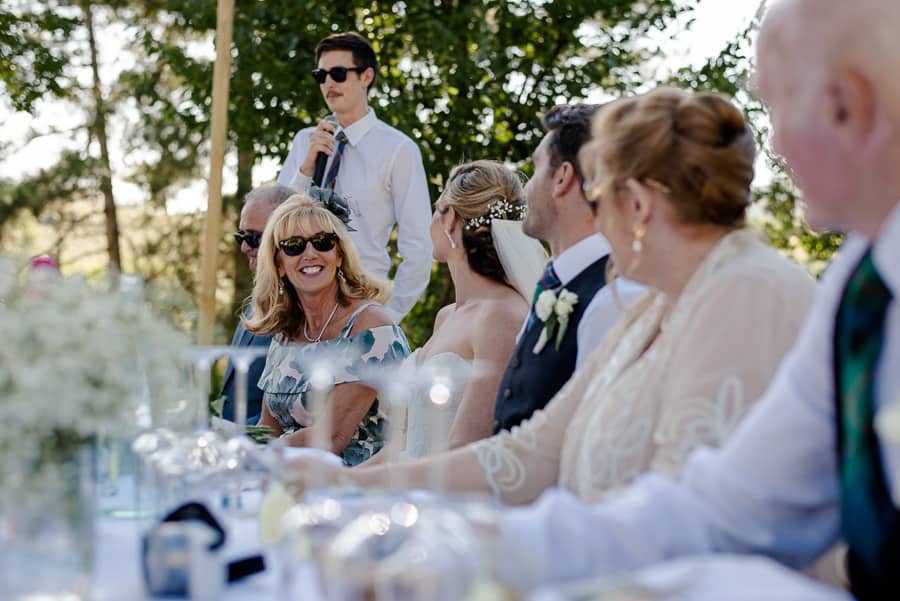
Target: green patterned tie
{"points": [[867, 512], [549, 281]]}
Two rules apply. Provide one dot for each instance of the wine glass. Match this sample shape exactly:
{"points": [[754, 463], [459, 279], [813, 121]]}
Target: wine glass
{"points": [[195, 458], [440, 391], [396, 385], [239, 447]]}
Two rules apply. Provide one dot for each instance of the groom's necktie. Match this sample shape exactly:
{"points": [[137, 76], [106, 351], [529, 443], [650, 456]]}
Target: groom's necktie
{"points": [[331, 176], [867, 512], [549, 281]]}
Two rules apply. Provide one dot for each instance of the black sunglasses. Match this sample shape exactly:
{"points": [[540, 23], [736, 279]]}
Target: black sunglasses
{"points": [[295, 245], [251, 238], [338, 74]]}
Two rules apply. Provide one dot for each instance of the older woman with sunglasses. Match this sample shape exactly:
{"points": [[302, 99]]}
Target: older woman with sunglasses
{"points": [[312, 295]]}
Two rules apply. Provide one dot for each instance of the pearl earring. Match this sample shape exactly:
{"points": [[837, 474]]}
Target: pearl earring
{"points": [[637, 245], [450, 238], [280, 289]]}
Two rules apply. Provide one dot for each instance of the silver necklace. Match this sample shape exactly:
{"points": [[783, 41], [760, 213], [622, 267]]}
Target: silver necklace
{"points": [[322, 331]]}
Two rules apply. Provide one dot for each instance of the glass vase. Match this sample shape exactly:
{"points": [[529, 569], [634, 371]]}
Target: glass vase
{"points": [[47, 518]]}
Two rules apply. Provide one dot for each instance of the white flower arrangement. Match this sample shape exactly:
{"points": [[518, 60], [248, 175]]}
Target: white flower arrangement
{"points": [[554, 312], [72, 361]]}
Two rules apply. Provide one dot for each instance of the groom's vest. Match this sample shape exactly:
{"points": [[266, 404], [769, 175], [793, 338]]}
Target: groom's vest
{"points": [[531, 380]]}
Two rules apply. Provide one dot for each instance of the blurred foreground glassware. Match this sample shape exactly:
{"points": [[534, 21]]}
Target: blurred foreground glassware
{"points": [[404, 549], [47, 529], [240, 450], [189, 467]]}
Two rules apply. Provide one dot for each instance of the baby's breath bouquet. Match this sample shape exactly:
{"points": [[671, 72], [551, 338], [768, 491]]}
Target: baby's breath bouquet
{"points": [[75, 361], [72, 360]]}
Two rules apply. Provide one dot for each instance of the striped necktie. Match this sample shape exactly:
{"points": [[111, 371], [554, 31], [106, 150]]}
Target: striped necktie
{"points": [[331, 176], [867, 512]]}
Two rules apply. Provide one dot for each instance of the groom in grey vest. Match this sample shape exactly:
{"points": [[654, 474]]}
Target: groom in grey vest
{"points": [[559, 214]]}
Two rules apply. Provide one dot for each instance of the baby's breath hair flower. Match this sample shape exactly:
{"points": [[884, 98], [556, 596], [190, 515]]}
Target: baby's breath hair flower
{"points": [[500, 209]]}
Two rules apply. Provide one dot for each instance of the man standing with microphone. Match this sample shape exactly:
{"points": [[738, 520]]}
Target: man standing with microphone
{"points": [[374, 166]]}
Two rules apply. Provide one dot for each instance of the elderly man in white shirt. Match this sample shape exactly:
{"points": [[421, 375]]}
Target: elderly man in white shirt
{"points": [[377, 168], [806, 466]]}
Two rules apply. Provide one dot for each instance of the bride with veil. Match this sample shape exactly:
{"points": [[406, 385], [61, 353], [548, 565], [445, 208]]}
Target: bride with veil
{"points": [[477, 231]]}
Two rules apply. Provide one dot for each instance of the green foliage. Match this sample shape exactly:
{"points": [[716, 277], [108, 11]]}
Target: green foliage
{"points": [[32, 56], [63, 181], [466, 80], [777, 206], [782, 221]]}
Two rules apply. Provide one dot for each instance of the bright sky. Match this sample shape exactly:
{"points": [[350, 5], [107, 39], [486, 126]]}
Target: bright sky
{"points": [[717, 22]]}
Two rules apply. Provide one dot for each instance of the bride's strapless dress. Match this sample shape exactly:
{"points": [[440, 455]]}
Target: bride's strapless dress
{"points": [[422, 436]]}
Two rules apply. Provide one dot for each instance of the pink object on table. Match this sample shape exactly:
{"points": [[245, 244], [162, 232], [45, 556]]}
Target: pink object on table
{"points": [[43, 261]]}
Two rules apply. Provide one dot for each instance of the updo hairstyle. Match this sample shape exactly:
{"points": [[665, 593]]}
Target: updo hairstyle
{"points": [[480, 191], [696, 147]]}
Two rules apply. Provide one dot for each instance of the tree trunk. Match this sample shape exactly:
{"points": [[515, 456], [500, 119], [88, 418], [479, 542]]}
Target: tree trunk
{"points": [[99, 127]]}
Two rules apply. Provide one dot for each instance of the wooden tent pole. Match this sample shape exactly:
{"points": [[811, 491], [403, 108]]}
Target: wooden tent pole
{"points": [[218, 133]]}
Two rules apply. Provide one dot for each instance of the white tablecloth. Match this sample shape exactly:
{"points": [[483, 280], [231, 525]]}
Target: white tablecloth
{"points": [[703, 578], [117, 572]]}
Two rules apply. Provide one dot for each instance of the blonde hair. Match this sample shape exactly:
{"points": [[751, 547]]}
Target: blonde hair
{"points": [[694, 146], [479, 191], [275, 312]]}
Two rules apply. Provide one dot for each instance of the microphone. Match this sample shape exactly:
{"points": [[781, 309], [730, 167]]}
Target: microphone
{"points": [[322, 159]]}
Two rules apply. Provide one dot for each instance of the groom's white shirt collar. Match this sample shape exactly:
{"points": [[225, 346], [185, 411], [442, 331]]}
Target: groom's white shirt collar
{"points": [[579, 256]]}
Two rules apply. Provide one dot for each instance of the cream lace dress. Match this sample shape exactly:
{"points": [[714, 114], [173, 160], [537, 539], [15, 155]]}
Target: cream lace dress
{"points": [[668, 378]]}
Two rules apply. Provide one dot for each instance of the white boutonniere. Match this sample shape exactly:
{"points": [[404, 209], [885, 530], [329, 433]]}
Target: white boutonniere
{"points": [[554, 312], [887, 422]]}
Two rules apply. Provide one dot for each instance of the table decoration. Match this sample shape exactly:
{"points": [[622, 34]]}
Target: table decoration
{"points": [[74, 359]]}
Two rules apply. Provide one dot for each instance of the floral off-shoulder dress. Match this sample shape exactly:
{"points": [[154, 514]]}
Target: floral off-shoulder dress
{"points": [[285, 384]]}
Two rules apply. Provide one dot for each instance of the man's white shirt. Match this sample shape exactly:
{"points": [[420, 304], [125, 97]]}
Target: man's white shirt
{"points": [[772, 489], [604, 310], [382, 177]]}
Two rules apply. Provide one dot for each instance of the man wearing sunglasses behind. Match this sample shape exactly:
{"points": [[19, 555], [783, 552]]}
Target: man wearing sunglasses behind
{"points": [[377, 168], [258, 206]]}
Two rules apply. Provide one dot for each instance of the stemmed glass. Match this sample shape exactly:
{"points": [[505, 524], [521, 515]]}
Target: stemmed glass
{"points": [[399, 386], [198, 456], [203, 359], [396, 385], [120, 469], [397, 394], [239, 447], [440, 391]]}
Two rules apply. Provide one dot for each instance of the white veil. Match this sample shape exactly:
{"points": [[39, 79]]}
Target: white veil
{"points": [[523, 258]]}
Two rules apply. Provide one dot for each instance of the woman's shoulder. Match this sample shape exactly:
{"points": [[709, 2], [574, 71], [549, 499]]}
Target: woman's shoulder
{"points": [[496, 321], [757, 261], [755, 280], [504, 307], [368, 315], [373, 325], [442, 315]]}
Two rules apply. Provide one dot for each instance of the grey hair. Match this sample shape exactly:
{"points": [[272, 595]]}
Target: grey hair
{"points": [[271, 194]]}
